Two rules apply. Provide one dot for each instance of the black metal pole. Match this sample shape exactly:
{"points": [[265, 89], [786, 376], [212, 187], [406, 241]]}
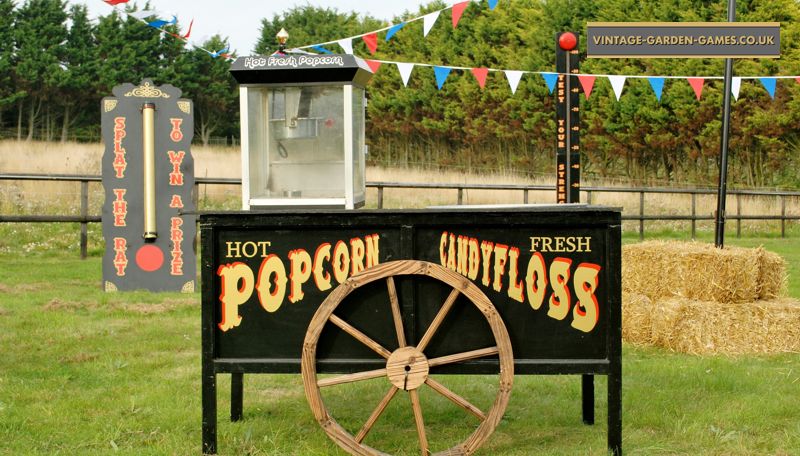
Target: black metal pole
{"points": [[719, 238]]}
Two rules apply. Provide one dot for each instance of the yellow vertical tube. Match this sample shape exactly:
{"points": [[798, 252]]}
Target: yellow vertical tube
{"points": [[149, 148]]}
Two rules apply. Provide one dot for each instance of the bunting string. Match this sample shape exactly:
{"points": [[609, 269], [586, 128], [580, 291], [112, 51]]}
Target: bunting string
{"points": [[159, 23], [587, 80], [371, 38]]}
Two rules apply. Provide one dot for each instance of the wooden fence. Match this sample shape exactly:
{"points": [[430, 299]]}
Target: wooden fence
{"points": [[84, 218]]}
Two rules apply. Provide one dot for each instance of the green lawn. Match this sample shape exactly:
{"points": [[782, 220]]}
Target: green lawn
{"points": [[85, 372]]}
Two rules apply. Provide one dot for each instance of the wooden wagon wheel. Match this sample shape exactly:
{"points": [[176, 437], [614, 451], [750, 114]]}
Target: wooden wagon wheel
{"points": [[407, 367]]}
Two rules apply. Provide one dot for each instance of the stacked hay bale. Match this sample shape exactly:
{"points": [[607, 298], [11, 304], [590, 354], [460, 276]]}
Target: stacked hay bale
{"points": [[695, 298]]}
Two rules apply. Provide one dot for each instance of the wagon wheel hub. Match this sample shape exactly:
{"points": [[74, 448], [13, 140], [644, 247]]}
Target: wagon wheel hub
{"points": [[407, 368]]}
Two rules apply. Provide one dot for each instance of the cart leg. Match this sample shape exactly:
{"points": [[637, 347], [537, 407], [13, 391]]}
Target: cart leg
{"points": [[237, 396], [587, 392], [615, 411], [209, 410]]}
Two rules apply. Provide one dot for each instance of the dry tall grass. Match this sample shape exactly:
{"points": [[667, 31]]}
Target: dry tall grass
{"points": [[215, 161]]}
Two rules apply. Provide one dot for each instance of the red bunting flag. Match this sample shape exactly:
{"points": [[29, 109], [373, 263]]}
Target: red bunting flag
{"points": [[374, 65], [458, 10], [697, 85], [115, 2], [371, 40], [480, 75], [797, 79], [587, 82], [190, 30]]}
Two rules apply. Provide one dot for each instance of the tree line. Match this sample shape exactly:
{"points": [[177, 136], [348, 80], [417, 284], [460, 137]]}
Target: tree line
{"points": [[61, 64], [56, 65]]}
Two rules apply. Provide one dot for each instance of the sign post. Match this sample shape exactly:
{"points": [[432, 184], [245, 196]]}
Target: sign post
{"points": [[719, 223], [568, 149]]}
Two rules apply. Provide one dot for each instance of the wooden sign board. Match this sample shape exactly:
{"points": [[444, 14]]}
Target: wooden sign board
{"points": [[148, 177], [553, 274], [683, 39]]}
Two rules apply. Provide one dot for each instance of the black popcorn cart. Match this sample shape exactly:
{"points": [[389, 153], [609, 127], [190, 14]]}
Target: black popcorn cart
{"points": [[405, 298]]}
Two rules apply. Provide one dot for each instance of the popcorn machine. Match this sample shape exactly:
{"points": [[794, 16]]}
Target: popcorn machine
{"points": [[302, 127]]}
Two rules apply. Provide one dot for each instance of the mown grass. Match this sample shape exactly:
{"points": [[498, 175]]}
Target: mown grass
{"points": [[85, 372]]}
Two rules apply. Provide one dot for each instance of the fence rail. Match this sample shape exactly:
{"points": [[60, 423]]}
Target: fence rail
{"points": [[84, 218]]}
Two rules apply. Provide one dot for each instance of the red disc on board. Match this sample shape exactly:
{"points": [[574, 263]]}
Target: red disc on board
{"points": [[149, 258], [567, 41]]}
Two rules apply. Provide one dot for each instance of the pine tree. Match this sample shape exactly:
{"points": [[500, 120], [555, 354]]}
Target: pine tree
{"points": [[39, 34], [8, 92], [78, 80]]}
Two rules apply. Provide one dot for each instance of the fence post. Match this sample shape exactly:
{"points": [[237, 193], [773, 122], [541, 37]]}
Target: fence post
{"points": [[589, 197], [783, 216], [694, 215], [460, 195], [380, 197], [641, 215], [84, 215], [525, 196], [738, 215]]}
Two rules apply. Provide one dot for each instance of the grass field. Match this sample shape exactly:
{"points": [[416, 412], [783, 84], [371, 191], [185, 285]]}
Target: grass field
{"points": [[85, 372]]}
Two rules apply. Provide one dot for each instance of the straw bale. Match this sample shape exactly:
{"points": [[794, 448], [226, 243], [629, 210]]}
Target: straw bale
{"points": [[773, 277], [699, 271], [637, 323], [703, 327]]}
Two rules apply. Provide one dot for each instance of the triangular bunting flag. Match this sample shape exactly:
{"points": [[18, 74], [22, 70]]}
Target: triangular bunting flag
{"points": [[513, 79], [797, 79], [371, 40], [428, 21], [374, 65], [394, 29], [492, 4], [697, 85], [405, 71], [587, 82], [657, 84], [550, 79], [736, 85], [769, 84], [441, 75], [158, 23], [143, 14], [617, 83], [346, 45], [480, 75], [458, 10], [190, 30], [321, 49]]}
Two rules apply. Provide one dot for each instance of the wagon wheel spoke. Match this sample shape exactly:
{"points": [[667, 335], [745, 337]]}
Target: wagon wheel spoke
{"points": [[376, 414], [359, 336], [448, 304], [351, 378], [465, 356], [407, 368], [423, 439], [455, 398], [398, 320]]}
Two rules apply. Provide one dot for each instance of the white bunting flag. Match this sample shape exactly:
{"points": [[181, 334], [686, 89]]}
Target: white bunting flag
{"points": [[617, 83], [346, 45], [405, 71], [428, 21], [513, 79], [736, 85], [144, 14]]}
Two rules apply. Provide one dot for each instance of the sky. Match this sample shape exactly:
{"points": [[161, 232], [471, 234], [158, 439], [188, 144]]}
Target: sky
{"points": [[240, 20]]}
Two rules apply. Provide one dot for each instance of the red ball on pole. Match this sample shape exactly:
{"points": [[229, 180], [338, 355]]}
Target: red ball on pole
{"points": [[567, 41]]}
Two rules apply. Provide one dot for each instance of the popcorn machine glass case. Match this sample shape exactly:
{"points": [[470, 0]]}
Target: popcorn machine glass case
{"points": [[302, 131]]}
